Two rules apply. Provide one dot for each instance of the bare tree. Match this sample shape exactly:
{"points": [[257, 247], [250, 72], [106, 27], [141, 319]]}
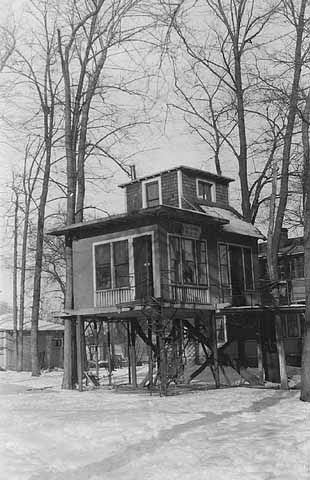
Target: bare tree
{"points": [[305, 371], [35, 62], [28, 183], [297, 19], [86, 44], [7, 45], [221, 71], [15, 266]]}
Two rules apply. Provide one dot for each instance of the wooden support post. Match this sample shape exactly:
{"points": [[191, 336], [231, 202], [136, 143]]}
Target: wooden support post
{"points": [[150, 354], [241, 353], [259, 350], [133, 359], [84, 354], [67, 382], [109, 353], [128, 353], [214, 349], [96, 348], [162, 357], [79, 352], [181, 348], [49, 348]]}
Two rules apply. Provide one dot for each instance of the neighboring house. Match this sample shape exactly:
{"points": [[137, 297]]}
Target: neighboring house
{"points": [[50, 340], [292, 291], [173, 261]]}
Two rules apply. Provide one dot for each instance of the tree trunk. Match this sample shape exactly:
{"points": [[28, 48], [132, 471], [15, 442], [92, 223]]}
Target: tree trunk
{"points": [[243, 154], [276, 220], [305, 363], [23, 284], [67, 382], [15, 309], [38, 268], [47, 105]]}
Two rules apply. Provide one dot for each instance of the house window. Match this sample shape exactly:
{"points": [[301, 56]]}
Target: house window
{"points": [[103, 266], [121, 264], [297, 266], [112, 265], [221, 330], [188, 261], [205, 190], [224, 265], [292, 326], [57, 342], [151, 191], [248, 270], [235, 266]]}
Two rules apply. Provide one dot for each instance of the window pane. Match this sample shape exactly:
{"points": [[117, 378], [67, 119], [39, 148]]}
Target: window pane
{"points": [[283, 268], [248, 273], [103, 266], [224, 265], [103, 254], [175, 259], [302, 324], [297, 267], [205, 190], [120, 251], [221, 332], [121, 264], [188, 261], [202, 263], [152, 193], [292, 326]]}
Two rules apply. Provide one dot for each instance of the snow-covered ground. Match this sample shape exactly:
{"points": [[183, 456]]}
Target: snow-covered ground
{"points": [[233, 434]]}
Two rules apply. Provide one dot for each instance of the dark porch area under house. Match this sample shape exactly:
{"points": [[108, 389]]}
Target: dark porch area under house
{"points": [[165, 350]]}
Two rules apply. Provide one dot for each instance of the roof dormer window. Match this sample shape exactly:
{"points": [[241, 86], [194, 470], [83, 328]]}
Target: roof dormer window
{"points": [[151, 192], [205, 190]]}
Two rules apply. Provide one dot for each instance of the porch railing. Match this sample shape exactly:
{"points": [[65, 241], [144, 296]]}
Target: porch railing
{"points": [[189, 294], [114, 296]]}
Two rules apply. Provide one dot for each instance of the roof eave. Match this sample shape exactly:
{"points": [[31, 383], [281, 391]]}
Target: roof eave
{"points": [[124, 218]]}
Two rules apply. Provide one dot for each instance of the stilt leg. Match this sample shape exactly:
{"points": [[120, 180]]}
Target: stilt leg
{"points": [[79, 351], [214, 349], [133, 360], [109, 354], [129, 353], [150, 354]]}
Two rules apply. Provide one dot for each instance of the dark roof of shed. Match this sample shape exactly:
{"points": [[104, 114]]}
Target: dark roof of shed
{"points": [[94, 226], [191, 170], [6, 323], [294, 246]]}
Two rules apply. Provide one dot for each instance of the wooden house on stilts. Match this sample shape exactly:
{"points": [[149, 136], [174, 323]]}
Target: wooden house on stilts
{"points": [[166, 269]]}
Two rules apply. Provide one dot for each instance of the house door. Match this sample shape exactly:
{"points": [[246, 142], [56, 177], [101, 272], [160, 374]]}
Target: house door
{"points": [[236, 275], [142, 251]]}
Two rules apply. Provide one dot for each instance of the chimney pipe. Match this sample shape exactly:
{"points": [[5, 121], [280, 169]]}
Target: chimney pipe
{"points": [[133, 174]]}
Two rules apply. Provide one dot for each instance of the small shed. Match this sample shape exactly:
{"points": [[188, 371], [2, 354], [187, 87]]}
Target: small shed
{"points": [[50, 339]]}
